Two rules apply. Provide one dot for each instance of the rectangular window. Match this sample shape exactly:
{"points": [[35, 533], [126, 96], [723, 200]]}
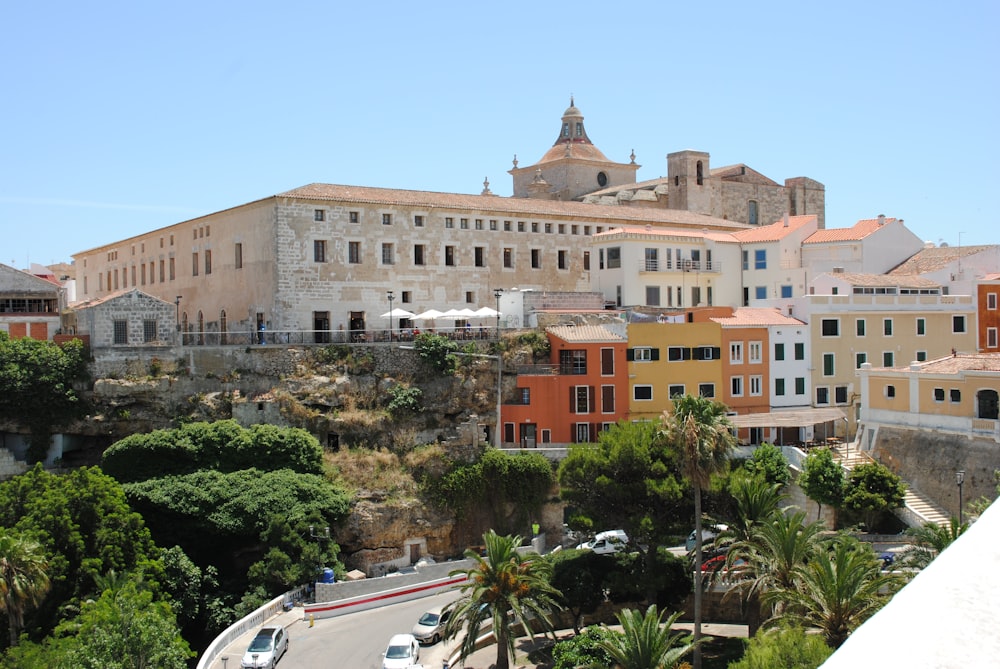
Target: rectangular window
{"points": [[746, 260], [163, 264], [859, 327], [675, 390], [800, 351], [652, 296], [828, 366], [607, 399], [507, 226], [756, 350], [562, 259], [991, 337], [958, 324], [520, 226], [786, 292], [352, 216], [536, 259], [318, 215], [955, 395], [121, 332], [921, 327], [736, 386], [939, 394], [642, 354], [208, 261], [407, 297], [760, 292], [493, 224], [573, 361], [779, 351], [736, 353], [860, 359], [238, 261], [830, 327], [614, 257], [887, 327], [418, 254], [887, 359], [706, 389], [172, 268], [607, 362], [642, 393], [756, 384], [319, 250], [479, 256], [418, 221], [194, 265], [890, 391], [779, 387], [449, 222], [678, 353], [760, 259], [148, 331], [479, 224], [822, 395], [582, 400], [991, 301], [840, 395], [921, 356], [354, 253], [464, 223], [387, 256], [508, 257], [586, 261], [449, 256], [800, 385], [386, 219]]}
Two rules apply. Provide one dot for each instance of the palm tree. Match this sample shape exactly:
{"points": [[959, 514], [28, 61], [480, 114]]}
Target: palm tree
{"points": [[756, 500], [23, 578], [703, 436], [931, 539], [770, 557], [838, 591], [503, 587], [646, 642]]}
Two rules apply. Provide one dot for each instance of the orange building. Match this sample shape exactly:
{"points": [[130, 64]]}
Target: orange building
{"points": [[987, 297], [583, 390]]}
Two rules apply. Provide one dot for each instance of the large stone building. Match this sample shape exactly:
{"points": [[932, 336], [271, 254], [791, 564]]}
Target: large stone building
{"points": [[318, 262]]}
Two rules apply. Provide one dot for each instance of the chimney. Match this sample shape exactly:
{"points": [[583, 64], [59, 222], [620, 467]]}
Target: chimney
{"points": [[786, 219], [881, 219]]}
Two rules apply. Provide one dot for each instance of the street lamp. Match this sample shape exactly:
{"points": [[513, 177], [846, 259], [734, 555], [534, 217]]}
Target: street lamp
{"points": [[177, 318], [391, 297], [497, 292], [960, 479]]}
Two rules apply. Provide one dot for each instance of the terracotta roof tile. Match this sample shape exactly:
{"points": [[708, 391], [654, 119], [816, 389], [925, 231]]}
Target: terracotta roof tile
{"points": [[961, 362], [578, 150], [587, 333], [774, 231], [856, 232], [757, 317], [884, 280], [936, 258]]}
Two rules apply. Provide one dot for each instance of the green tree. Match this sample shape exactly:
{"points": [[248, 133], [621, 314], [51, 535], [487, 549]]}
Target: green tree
{"points": [[703, 436], [437, 351], [630, 480], [822, 479], [579, 575], [787, 647], [37, 386], [23, 577], [836, 591], [646, 641], [768, 461], [582, 650], [755, 501], [931, 539], [872, 490], [504, 588]]}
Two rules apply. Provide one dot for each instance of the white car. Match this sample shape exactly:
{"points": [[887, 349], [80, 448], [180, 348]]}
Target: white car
{"points": [[403, 652], [267, 647], [609, 541], [708, 535]]}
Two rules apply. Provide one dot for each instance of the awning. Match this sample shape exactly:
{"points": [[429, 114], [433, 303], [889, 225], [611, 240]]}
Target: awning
{"points": [[790, 418]]}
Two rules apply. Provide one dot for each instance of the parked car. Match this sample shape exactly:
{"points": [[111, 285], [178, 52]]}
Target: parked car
{"points": [[430, 627], [708, 535], [609, 541], [266, 648], [402, 652]]}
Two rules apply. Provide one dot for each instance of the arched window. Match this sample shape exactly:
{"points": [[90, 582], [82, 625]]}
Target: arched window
{"points": [[699, 170], [565, 132], [987, 406], [752, 212], [579, 129], [223, 328]]}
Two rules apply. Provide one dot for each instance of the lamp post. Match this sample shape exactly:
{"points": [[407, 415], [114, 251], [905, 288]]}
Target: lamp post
{"points": [[177, 318], [960, 479], [497, 292], [319, 536], [391, 297]]}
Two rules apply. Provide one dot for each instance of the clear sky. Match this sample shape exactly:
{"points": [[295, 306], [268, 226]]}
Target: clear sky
{"points": [[123, 117]]}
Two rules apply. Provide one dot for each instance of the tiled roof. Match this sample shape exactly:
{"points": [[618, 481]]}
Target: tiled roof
{"points": [[757, 317], [508, 206], [86, 304], [581, 334], [856, 232], [960, 362], [882, 280], [741, 170], [936, 258], [774, 231], [653, 231], [578, 150]]}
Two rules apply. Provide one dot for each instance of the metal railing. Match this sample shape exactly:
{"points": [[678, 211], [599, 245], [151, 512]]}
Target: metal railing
{"points": [[680, 266]]}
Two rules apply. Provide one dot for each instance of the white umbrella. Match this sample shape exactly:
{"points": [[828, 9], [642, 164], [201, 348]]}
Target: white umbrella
{"points": [[398, 313], [487, 312], [428, 315], [458, 314]]}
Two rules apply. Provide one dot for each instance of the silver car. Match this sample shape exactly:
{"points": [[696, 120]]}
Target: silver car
{"points": [[267, 647], [430, 627]]}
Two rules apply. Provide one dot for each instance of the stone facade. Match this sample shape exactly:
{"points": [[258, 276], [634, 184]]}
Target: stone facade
{"points": [[130, 318]]}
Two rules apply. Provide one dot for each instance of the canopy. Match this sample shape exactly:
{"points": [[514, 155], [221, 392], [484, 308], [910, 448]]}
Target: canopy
{"points": [[458, 314], [398, 313], [790, 418], [428, 315], [486, 312]]}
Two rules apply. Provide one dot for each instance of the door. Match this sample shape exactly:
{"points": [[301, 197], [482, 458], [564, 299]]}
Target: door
{"points": [[321, 327], [357, 325], [528, 438]]}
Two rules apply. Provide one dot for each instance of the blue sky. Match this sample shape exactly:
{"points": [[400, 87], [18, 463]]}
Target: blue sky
{"points": [[122, 117]]}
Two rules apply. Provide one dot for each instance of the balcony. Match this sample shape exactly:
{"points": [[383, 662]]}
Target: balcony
{"points": [[550, 370], [656, 266]]}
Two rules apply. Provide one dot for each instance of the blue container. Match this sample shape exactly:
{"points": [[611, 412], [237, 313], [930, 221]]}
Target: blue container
{"points": [[327, 576]]}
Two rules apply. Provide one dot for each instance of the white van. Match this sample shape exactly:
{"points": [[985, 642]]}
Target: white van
{"points": [[708, 534], [609, 541]]}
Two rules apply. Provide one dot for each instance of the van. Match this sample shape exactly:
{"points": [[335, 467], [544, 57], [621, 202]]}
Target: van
{"points": [[708, 534], [609, 541]]}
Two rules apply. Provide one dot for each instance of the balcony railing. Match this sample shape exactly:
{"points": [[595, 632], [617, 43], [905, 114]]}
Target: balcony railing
{"points": [[680, 266]]}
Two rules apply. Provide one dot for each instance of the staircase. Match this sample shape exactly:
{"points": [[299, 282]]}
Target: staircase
{"points": [[917, 508]]}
